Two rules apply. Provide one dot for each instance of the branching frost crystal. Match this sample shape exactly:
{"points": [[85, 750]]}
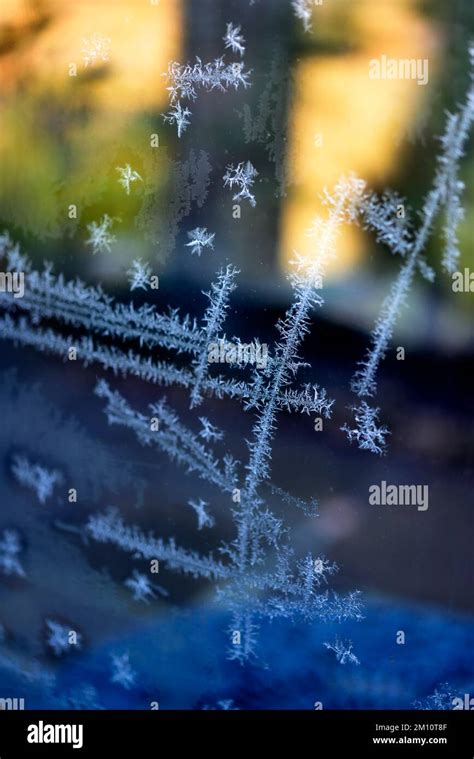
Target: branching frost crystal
{"points": [[100, 236], [199, 239], [241, 176]]}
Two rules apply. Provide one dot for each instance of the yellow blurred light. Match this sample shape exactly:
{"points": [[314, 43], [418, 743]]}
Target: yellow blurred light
{"points": [[63, 135], [143, 37], [343, 122]]}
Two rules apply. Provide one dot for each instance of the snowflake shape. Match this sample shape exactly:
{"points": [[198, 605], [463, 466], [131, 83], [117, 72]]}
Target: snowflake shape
{"points": [[122, 672], [179, 116], [200, 238], [234, 40], [204, 519], [140, 586], [367, 434], [127, 176], [323, 569], [139, 275], [100, 237]]}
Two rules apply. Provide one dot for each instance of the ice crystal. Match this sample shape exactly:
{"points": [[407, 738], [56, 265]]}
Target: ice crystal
{"points": [[317, 571], [242, 176], [10, 548], [100, 237], [213, 321], [343, 651], [386, 216], [285, 590], [256, 573], [122, 672], [110, 528], [453, 143], [179, 116], [367, 433], [454, 216], [282, 592], [59, 638], [447, 180], [139, 275], [128, 176], [303, 10], [204, 519], [243, 633], [234, 39], [36, 477], [199, 239], [184, 81], [443, 197], [209, 432], [310, 508], [140, 586]]}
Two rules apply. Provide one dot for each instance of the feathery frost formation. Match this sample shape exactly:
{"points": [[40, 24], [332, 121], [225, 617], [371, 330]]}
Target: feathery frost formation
{"points": [[367, 434], [242, 176], [233, 39], [379, 214], [184, 80], [303, 10], [258, 574], [343, 651], [213, 321], [139, 275]]}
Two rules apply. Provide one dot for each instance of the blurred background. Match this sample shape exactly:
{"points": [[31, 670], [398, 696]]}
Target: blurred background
{"points": [[311, 114]]}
